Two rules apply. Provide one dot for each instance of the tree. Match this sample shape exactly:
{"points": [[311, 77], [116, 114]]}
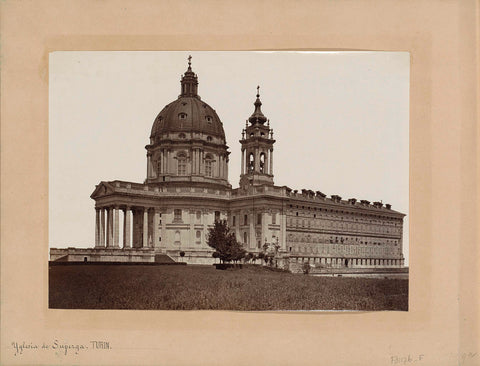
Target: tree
{"points": [[224, 242]]}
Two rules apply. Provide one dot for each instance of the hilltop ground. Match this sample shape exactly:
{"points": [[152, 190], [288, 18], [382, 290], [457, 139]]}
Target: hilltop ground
{"points": [[203, 287]]}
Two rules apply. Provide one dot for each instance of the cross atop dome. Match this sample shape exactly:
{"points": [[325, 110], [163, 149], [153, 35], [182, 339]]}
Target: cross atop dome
{"points": [[189, 62]]}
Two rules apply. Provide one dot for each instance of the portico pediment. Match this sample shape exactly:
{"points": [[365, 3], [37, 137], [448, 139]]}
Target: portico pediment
{"points": [[102, 189]]}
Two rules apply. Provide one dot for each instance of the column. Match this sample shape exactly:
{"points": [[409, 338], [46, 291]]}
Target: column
{"points": [[194, 161], [226, 168], [149, 166], [243, 161], [168, 162], [164, 230], [97, 226], [257, 160], [164, 162], [199, 162], [202, 170], [222, 175], [102, 227], [115, 227], [109, 227], [145, 228], [156, 221], [220, 166], [126, 228], [271, 162]]}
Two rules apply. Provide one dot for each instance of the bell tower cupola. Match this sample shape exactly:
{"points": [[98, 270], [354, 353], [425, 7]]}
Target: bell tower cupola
{"points": [[257, 149]]}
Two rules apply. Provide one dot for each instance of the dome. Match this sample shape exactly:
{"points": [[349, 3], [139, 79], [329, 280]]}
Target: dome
{"points": [[187, 142], [187, 114]]}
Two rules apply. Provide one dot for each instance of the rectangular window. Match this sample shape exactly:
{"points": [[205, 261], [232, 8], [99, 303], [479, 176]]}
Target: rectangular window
{"points": [[259, 219], [217, 215], [177, 214], [274, 218], [208, 168], [245, 220], [233, 221], [182, 167]]}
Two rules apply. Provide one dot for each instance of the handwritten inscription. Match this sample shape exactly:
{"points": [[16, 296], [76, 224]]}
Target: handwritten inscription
{"points": [[402, 360], [58, 347], [464, 356]]}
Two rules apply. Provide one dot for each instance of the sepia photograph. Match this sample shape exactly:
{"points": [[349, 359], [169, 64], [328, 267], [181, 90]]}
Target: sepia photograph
{"points": [[247, 181]]}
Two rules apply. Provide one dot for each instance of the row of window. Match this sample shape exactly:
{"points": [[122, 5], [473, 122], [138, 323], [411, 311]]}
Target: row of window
{"points": [[346, 217], [344, 213], [184, 115], [342, 249], [259, 219], [177, 215], [341, 225], [182, 165]]}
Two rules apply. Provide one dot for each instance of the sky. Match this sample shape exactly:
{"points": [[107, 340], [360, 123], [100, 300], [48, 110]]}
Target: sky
{"points": [[340, 119]]}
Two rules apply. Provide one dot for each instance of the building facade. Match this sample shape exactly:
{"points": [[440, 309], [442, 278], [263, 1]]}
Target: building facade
{"points": [[186, 189]]}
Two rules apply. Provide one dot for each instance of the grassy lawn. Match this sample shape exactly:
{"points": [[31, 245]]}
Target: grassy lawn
{"points": [[204, 287]]}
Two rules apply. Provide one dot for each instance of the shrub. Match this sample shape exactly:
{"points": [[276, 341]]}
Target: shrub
{"points": [[306, 268]]}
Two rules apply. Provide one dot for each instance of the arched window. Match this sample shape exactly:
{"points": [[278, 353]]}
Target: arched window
{"points": [[182, 163], [209, 138], [177, 238], [262, 162], [209, 165], [159, 166], [181, 136], [251, 163]]}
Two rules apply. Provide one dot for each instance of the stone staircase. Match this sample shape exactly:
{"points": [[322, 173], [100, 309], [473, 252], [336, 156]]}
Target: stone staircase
{"points": [[163, 258]]}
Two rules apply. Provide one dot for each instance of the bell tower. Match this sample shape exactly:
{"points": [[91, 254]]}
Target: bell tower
{"points": [[257, 149]]}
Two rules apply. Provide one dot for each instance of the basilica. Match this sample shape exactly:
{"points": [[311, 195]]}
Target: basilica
{"points": [[186, 190]]}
